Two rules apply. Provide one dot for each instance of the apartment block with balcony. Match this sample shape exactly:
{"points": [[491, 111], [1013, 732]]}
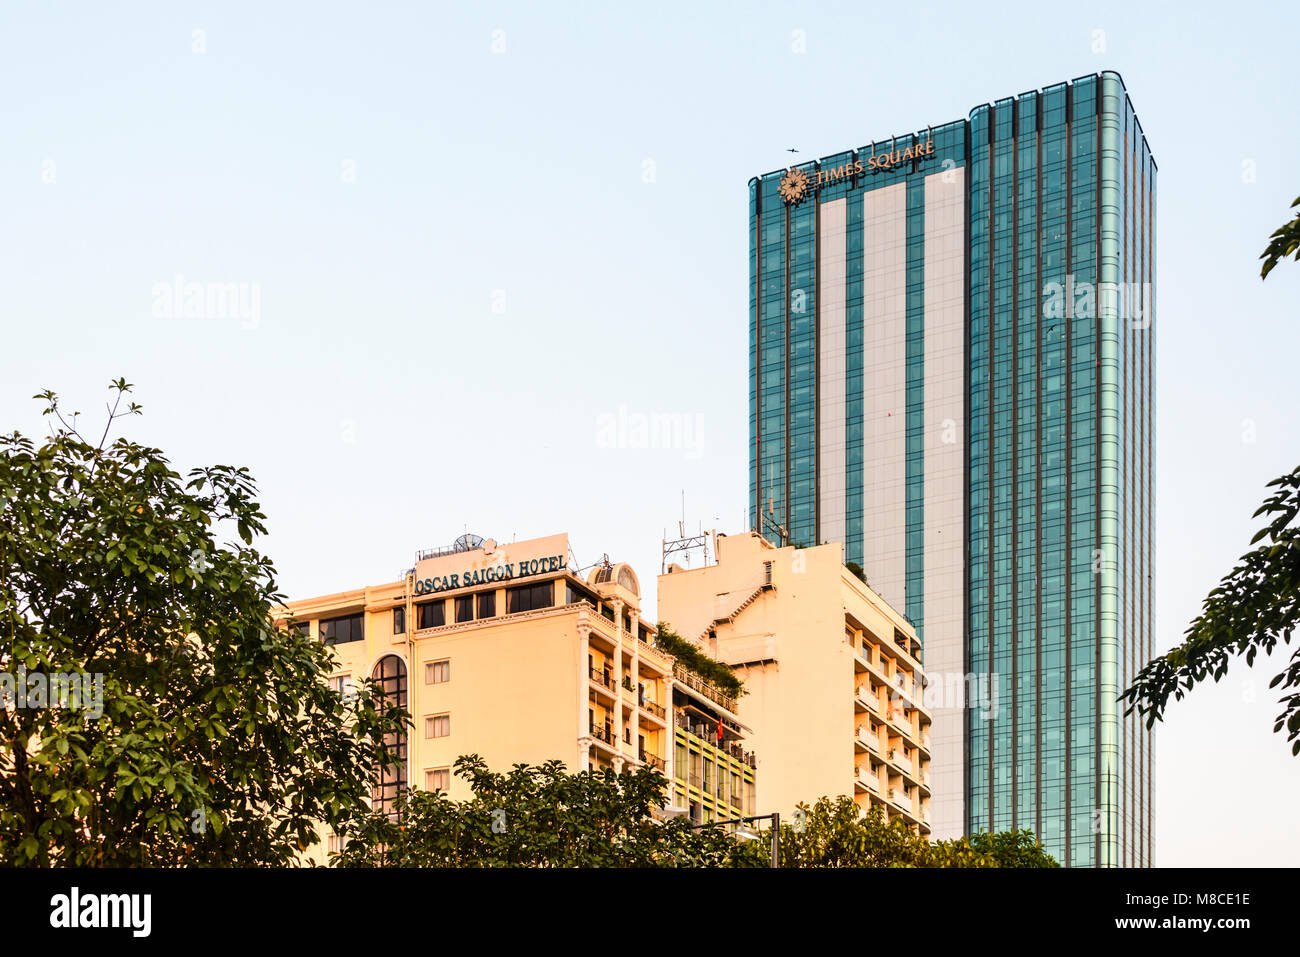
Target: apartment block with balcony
{"points": [[713, 770], [506, 651], [835, 684]]}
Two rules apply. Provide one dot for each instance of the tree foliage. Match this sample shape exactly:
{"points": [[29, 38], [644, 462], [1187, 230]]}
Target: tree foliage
{"points": [[1284, 242], [1253, 607], [219, 740], [835, 832], [541, 816]]}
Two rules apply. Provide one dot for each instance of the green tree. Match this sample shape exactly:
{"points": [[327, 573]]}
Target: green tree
{"points": [[216, 738], [835, 832], [1284, 242], [1254, 606], [541, 816]]}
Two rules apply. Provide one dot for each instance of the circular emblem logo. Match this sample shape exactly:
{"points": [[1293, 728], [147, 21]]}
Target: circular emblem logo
{"points": [[793, 185]]}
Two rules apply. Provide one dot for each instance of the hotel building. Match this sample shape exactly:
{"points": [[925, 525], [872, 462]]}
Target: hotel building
{"points": [[505, 651], [952, 374], [834, 685]]}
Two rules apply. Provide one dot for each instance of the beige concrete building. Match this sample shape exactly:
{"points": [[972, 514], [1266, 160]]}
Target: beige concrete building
{"points": [[835, 686], [505, 651]]}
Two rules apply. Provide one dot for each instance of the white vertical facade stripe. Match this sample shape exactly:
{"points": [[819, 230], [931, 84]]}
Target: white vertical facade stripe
{"points": [[831, 367], [884, 381], [945, 506]]}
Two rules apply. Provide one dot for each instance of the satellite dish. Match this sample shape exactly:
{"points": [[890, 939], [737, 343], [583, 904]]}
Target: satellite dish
{"points": [[467, 543]]}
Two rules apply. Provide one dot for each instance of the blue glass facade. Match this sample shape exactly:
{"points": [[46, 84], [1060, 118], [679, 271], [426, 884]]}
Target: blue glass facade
{"points": [[1057, 348]]}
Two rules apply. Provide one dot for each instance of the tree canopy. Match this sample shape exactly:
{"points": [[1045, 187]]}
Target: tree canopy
{"points": [[214, 737], [1255, 605], [541, 816], [545, 816], [834, 832]]}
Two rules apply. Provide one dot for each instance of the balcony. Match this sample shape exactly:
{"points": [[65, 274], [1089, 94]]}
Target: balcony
{"points": [[901, 799], [654, 709], [739, 753], [706, 688], [653, 760], [604, 679], [865, 699], [866, 738], [865, 780], [901, 719], [603, 733], [897, 757]]}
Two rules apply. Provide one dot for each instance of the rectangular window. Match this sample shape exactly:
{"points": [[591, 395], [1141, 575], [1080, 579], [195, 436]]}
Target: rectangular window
{"points": [[438, 726], [530, 597], [439, 779], [338, 631], [336, 843], [343, 685], [487, 604], [465, 608], [433, 614], [574, 594], [436, 672], [302, 627], [399, 620]]}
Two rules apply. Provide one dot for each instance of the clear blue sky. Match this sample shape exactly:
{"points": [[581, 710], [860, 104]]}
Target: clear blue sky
{"points": [[438, 338]]}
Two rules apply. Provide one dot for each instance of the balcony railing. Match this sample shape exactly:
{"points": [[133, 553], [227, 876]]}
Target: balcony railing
{"points": [[706, 688], [603, 678], [708, 735], [740, 754], [905, 762], [605, 733], [656, 710], [901, 718], [653, 760], [899, 797]]}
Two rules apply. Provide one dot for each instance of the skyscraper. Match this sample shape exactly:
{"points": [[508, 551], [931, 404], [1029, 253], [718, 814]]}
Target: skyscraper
{"points": [[951, 373]]}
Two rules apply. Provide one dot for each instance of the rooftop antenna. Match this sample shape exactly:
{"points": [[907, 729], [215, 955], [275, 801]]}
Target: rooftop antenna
{"points": [[684, 544]]}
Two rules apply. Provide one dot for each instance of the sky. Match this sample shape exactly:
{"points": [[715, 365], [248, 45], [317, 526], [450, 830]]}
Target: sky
{"points": [[474, 246]]}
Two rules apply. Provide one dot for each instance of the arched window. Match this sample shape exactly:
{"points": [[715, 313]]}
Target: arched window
{"points": [[390, 673]]}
